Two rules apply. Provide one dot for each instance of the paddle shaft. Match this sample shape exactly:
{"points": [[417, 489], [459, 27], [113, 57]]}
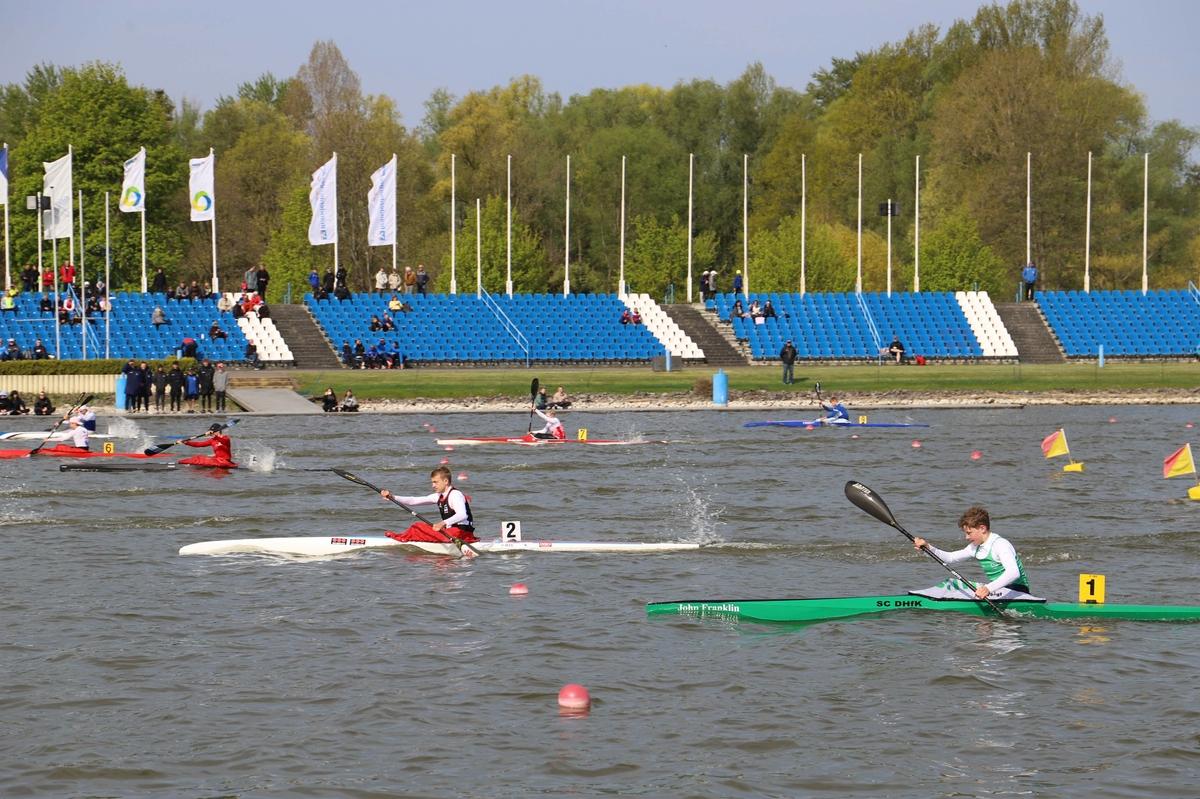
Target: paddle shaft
{"points": [[463, 546], [84, 400]]}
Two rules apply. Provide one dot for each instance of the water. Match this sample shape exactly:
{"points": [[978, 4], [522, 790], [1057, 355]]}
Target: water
{"points": [[133, 672]]}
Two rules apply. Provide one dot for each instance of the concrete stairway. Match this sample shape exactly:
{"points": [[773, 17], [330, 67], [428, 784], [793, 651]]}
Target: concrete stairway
{"points": [[1030, 333], [719, 346], [308, 344]]}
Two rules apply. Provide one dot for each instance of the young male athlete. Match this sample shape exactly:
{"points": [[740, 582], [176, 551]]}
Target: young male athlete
{"points": [[836, 412], [553, 429], [455, 511], [997, 557], [222, 447]]}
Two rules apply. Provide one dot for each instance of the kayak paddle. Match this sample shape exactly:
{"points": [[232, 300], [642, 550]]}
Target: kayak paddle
{"points": [[872, 503], [533, 390], [465, 550], [84, 399], [157, 448]]}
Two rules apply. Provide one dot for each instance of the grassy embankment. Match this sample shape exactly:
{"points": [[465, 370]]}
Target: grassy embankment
{"points": [[933, 379]]}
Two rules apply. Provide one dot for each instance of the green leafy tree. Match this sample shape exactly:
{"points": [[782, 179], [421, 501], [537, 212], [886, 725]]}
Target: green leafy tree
{"points": [[656, 256]]}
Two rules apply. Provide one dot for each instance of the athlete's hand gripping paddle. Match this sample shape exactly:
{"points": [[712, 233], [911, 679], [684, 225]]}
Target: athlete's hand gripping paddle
{"points": [[872, 503]]}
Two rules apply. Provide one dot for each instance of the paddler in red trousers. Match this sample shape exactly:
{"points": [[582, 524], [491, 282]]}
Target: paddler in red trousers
{"points": [[222, 447], [453, 507]]}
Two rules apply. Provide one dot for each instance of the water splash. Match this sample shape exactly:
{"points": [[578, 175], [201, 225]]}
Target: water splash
{"points": [[701, 519], [256, 457], [123, 427]]}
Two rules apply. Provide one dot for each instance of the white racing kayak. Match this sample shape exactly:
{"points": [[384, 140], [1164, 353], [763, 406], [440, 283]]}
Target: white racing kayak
{"points": [[531, 441], [335, 545], [41, 435]]}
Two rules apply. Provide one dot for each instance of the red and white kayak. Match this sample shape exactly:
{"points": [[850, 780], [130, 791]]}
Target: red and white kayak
{"points": [[60, 451], [316, 546], [529, 440], [39, 435]]}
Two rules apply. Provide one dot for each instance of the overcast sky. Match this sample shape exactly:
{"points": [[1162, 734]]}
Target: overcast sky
{"points": [[406, 50]]}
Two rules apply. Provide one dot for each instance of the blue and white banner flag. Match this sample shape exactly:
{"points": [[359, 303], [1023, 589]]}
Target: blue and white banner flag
{"points": [[381, 206], [133, 189], [201, 189], [322, 196], [4, 176], [57, 186]]}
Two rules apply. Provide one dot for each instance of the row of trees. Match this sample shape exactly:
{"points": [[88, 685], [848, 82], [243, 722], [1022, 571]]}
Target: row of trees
{"points": [[1030, 75]]}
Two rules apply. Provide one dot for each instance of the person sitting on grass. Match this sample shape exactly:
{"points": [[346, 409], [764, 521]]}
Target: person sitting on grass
{"points": [[329, 401], [349, 403]]}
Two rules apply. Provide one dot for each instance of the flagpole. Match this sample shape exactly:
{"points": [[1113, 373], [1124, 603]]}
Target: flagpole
{"points": [[746, 225], [336, 262], [508, 233], [216, 286], [82, 281], [621, 258], [107, 270], [453, 276], [7, 253], [567, 248], [478, 251], [803, 223], [691, 176], [396, 207], [917, 228], [54, 269]]}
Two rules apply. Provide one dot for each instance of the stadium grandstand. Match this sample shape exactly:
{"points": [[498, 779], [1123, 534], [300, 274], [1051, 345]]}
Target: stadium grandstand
{"points": [[1160, 323]]}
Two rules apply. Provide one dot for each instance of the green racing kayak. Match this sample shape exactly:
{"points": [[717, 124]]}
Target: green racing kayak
{"points": [[829, 608]]}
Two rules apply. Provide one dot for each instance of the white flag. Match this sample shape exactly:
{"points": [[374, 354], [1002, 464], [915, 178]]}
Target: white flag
{"points": [[200, 188], [381, 206], [133, 190], [4, 176], [57, 186], [322, 196]]}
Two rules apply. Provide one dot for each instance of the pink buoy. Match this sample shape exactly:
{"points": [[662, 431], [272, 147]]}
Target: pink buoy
{"points": [[518, 589], [574, 697], [448, 449], [1189, 425], [854, 435], [461, 476], [432, 429], [916, 444], [444, 461], [1112, 420], [808, 427], [976, 455]]}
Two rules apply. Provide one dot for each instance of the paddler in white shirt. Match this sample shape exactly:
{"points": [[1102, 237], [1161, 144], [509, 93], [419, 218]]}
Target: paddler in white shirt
{"points": [[456, 522], [997, 557], [79, 435], [86, 418], [553, 429]]}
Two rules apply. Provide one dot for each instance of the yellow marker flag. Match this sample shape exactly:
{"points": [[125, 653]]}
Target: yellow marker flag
{"points": [[1055, 444], [1179, 462]]}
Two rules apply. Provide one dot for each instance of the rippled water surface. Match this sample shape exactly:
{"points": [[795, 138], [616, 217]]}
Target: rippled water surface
{"points": [[130, 671]]}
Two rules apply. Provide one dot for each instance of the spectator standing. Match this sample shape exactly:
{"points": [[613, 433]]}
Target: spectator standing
{"points": [[66, 275], [381, 278], [160, 388], [422, 279], [314, 280], [262, 278], [787, 357], [1029, 277], [191, 389], [29, 277], [48, 279], [175, 381], [394, 281], [147, 377], [205, 376], [327, 281], [133, 390], [738, 282], [250, 279], [410, 280], [159, 284], [220, 385]]}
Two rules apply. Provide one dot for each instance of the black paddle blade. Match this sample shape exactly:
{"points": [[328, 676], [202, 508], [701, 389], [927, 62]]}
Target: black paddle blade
{"points": [[533, 389], [871, 502]]}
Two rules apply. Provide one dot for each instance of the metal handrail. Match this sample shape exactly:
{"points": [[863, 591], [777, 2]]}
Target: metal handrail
{"points": [[871, 325], [509, 325]]}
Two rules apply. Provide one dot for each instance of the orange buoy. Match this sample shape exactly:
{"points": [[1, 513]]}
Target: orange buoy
{"points": [[574, 697]]}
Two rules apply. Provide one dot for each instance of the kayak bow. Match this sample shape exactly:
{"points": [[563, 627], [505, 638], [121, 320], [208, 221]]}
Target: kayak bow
{"points": [[829, 608]]}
